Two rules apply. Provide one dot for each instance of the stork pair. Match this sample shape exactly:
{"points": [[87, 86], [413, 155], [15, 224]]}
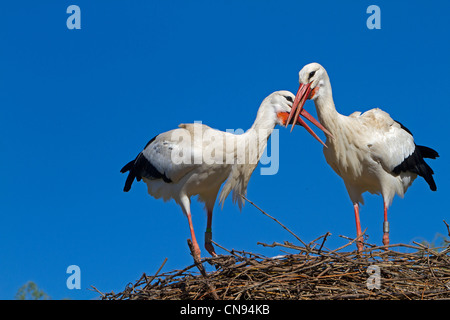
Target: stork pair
{"points": [[370, 151]]}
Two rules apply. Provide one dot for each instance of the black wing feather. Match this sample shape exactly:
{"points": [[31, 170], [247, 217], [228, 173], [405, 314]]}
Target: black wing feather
{"points": [[428, 152], [142, 167], [415, 162]]}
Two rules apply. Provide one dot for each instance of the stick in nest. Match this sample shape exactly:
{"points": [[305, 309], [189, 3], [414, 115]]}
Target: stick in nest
{"points": [[268, 215], [448, 227], [152, 278]]}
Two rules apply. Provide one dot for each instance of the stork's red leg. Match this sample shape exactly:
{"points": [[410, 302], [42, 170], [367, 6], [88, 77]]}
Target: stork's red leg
{"points": [[385, 227], [194, 240], [359, 243], [208, 235]]}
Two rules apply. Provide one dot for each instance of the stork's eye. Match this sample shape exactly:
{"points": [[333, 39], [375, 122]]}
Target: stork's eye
{"points": [[288, 98], [311, 74]]}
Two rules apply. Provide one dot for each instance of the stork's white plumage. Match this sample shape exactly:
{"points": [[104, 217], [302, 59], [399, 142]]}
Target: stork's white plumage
{"points": [[370, 151], [196, 159]]}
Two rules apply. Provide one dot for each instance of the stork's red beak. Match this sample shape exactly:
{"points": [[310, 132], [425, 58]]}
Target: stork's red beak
{"points": [[302, 95]]}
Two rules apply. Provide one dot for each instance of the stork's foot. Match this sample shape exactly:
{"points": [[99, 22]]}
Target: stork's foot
{"points": [[385, 230], [359, 246], [197, 254], [208, 244], [386, 238], [210, 248], [195, 250]]}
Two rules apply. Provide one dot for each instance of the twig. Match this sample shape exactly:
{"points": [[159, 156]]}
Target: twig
{"points": [[324, 239], [154, 276], [268, 215], [98, 291], [426, 248], [351, 242], [448, 227], [232, 252]]}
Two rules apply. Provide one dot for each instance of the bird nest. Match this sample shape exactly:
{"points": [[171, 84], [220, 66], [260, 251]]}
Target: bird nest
{"points": [[311, 272]]}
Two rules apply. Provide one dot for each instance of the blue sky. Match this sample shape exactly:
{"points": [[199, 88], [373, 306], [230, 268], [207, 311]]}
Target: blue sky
{"points": [[76, 105]]}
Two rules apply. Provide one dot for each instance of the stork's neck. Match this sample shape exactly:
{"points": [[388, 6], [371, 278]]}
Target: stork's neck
{"points": [[256, 137], [265, 121], [326, 110]]}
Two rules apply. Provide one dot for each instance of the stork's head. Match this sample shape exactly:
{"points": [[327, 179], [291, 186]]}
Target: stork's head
{"points": [[312, 75], [282, 103], [313, 79]]}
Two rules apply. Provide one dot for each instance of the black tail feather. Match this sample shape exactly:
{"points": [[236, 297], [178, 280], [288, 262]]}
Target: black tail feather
{"points": [[415, 163], [428, 152], [426, 172], [129, 167], [424, 169], [139, 168]]}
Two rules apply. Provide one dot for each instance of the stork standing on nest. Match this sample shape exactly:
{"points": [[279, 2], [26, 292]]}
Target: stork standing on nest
{"points": [[196, 159], [370, 151]]}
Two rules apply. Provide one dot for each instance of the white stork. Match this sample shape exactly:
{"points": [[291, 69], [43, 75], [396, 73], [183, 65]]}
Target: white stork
{"points": [[196, 159], [370, 151]]}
